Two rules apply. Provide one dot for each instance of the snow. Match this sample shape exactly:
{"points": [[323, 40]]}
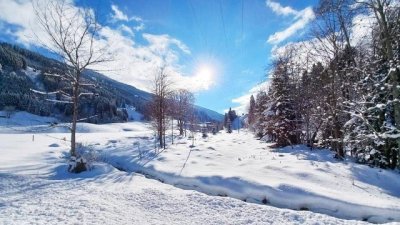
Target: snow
{"points": [[34, 77], [241, 167], [133, 114], [35, 187]]}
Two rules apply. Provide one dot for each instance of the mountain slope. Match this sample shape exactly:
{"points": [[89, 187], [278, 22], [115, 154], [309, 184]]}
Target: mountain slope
{"points": [[23, 69]]}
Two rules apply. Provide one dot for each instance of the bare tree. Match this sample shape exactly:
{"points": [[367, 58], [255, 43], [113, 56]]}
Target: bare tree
{"points": [[331, 29], [71, 33], [159, 107], [183, 107]]}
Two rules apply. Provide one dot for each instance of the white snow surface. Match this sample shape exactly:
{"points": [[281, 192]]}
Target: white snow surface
{"points": [[34, 77], [36, 189]]}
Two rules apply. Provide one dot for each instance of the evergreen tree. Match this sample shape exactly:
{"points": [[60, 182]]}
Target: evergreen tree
{"points": [[281, 121], [251, 113], [261, 115]]}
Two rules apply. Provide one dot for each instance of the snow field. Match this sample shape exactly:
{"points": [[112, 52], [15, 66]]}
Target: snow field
{"points": [[33, 174], [36, 189]]}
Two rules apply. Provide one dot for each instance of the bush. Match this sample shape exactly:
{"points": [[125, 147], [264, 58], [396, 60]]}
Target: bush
{"points": [[86, 157]]}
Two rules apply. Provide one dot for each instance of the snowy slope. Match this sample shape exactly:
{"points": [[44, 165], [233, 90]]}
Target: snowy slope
{"points": [[35, 187]]}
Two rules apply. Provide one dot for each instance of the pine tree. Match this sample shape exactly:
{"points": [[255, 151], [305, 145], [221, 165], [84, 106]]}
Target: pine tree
{"points": [[260, 116], [251, 113], [281, 121]]}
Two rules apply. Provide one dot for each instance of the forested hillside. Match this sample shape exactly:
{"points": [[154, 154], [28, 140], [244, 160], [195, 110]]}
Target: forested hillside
{"points": [[23, 71]]}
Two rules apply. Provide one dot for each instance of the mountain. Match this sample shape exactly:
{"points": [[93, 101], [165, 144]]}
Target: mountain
{"points": [[22, 70], [205, 114]]}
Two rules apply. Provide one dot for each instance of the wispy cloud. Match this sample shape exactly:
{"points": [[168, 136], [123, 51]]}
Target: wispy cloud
{"points": [[301, 19], [162, 42], [281, 10], [118, 16]]}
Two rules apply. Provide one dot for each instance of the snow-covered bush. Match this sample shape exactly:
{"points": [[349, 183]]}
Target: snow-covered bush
{"points": [[85, 160]]}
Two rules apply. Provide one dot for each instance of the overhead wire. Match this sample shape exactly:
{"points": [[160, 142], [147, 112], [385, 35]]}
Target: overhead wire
{"points": [[223, 23], [197, 24]]}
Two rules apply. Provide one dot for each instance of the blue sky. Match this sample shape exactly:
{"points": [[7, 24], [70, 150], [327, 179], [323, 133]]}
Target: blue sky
{"points": [[219, 49]]}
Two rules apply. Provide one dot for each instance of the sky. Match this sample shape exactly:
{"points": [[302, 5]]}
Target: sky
{"points": [[218, 49]]}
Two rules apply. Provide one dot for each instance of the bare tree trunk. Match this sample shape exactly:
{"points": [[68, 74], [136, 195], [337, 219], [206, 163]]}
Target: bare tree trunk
{"points": [[180, 125], [172, 130], [73, 129], [164, 129], [75, 112]]}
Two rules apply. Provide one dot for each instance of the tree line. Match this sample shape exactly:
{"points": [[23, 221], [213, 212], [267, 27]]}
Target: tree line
{"points": [[340, 89]]}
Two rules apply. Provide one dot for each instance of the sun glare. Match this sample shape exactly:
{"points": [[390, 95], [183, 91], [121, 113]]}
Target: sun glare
{"points": [[205, 76]]}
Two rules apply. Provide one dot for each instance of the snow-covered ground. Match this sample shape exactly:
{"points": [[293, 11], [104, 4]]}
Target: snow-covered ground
{"points": [[35, 188]]}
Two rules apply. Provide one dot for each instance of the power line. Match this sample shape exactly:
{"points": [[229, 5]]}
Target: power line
{"points": [[223, 22], [242, 19], [197, 24]]}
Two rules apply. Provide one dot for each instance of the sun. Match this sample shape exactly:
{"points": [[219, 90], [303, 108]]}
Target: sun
{"points": [[206, 71], [205, 76]]}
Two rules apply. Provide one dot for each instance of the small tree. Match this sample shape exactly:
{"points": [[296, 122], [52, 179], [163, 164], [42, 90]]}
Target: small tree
{"points": [[71, 35], [251, 114], [159, 105], [183, 106]]}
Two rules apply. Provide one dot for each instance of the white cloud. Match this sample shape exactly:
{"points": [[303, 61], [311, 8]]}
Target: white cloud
{"points": [[19, 13], [322, 49], [133, 63], [118, 14], [302, 18], [139, 27], [127, 29], [244, 100], [137, 64], [281, 10], [160, 43]]}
